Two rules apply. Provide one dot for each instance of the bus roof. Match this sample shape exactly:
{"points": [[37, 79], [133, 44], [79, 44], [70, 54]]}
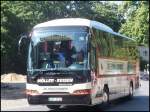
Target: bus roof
{"points": [[74, 22], [79, 22]]}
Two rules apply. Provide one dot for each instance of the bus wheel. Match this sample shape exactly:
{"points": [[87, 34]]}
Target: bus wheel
{"points": [[54, 107], [105, 96], [30, 101], [130, 91]]}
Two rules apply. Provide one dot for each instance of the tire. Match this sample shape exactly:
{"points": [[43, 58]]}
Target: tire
{"points": [[31, 101], [54, 107], [130, 96], [105, 96]]}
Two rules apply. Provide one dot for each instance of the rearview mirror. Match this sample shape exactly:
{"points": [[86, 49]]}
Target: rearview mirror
{"points": [[20, 41], [88, 42]]}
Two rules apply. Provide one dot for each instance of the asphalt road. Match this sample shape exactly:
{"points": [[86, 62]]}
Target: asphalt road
{"points": [[140, 102]]}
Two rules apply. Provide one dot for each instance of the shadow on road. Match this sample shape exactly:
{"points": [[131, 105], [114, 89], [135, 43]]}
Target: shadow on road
{"points": [[123, 104], [138, 103], [77, 109], [12, 91]]}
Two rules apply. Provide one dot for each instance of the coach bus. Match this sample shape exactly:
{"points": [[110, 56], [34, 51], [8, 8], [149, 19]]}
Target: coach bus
{"points": [[76, 61]]}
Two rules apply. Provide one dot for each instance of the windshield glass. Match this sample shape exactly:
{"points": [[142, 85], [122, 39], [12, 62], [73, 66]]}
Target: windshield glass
{"points": [[53, 49]]}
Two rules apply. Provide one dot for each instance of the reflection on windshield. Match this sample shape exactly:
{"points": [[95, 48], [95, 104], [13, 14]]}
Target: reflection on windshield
{"points": [[59, 50]]}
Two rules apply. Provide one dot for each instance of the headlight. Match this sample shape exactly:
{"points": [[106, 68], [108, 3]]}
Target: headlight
{"points": [[82, 92], [32, 92]]}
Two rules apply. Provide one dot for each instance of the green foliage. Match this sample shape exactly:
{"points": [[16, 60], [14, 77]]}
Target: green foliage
{"points": [[137, 22], [108, 14]]}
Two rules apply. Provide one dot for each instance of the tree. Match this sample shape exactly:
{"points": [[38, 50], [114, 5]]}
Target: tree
{"points": [[137, 22], [108, 14], [17, 18]]}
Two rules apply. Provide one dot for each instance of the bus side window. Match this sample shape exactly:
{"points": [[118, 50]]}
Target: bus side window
{"points": [[131, 68]]}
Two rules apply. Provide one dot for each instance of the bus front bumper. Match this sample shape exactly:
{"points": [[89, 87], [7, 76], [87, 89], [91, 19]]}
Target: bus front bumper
{"points": [[66, 99]]}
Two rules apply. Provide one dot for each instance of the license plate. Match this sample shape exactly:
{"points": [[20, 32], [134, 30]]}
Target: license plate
{"points": [[57, 99]]}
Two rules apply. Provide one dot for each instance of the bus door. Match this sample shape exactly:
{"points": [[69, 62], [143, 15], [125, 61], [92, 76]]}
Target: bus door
{"points": [[94, 81]]}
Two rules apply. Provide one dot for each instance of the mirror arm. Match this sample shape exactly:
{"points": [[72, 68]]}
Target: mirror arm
{"points": [[19, 43]]}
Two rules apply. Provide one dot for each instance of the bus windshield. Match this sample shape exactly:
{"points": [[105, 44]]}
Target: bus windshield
{"points": [[53, 49]]}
